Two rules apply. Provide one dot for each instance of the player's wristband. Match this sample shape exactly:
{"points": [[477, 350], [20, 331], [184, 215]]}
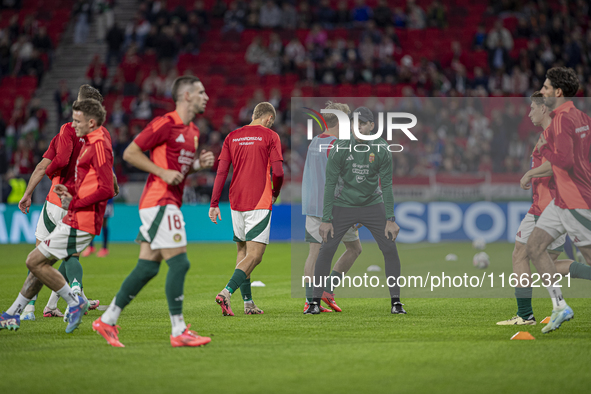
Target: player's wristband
{"points": [[196, 165], [392, 219]]}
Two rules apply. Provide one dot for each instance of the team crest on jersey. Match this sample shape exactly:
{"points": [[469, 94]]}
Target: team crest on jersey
{"points": [[372, 157], [180, 139], [177, 238]]}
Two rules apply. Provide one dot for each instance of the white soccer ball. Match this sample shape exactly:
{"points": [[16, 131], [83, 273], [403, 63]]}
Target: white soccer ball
{"points": [[479, 243], [481, 260]]}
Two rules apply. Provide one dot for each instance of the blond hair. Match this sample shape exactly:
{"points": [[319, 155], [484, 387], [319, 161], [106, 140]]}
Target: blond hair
{"points": [[331, 119]]}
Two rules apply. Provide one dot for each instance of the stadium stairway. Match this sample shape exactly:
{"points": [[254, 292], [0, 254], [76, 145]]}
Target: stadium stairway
{"points": [[71, 61]]}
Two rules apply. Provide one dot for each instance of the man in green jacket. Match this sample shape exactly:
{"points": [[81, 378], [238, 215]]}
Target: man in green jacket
{"points": [[358, 189]]}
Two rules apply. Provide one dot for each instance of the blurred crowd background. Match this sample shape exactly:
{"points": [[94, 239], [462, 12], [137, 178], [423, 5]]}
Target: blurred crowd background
{"points": [[246, 52]]}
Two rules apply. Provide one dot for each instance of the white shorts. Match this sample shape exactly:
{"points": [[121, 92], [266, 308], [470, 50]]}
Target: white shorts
{"points": [[527, 227], [252, 225], [313, 234], [64, 241], [575, 222], [163, 227], [50, 216]]}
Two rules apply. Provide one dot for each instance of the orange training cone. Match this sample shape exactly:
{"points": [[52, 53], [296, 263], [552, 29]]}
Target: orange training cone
{"points": [[546, 320], [523, 335]]}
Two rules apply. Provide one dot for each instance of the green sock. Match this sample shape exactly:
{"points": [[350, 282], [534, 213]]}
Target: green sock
{"points": [[62, 270], [580, 270], [236, 280], [175, 282], [523, 296], [309, 293], [246, 291], [138, 278], [328, 288], [73, 270], [32, 302]]}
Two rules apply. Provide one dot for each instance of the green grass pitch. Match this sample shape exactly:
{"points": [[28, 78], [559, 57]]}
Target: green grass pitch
{"points": [[442, 345]]}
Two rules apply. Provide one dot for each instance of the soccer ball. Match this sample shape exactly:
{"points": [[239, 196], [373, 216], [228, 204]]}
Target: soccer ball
{"points": [[481, 260], [479, 243]]}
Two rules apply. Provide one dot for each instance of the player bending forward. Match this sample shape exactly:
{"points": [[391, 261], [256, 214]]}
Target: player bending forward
{"points": [[86, 204], [542, 185], [172, 140], [252, 150]]}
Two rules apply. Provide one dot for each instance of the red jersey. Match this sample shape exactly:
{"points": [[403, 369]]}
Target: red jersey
{"points": [[63, 152], [93, 183], [173, 146], [251, 150], [543, 189], [569, 142]]}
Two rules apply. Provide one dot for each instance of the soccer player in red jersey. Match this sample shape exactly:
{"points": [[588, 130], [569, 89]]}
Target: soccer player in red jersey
{"points": [[565, 144], [86, 203], [540, 180], [252, 150], [59, 163], [172, 140]]}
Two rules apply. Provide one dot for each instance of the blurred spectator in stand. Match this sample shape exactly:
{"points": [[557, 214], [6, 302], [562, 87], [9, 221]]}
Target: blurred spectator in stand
{"points": [[200, 14], [400, 19], [317, 36], [21, 51], [42, 42], [234, 18], [34, 66], [325, 15], [97, 73], [137, 30], [23, 161], [361, 13], [83, 15], [218, 9], [382, 14], [117, 116], [372, 32], [141, 107], [270, 15], [104, 18], [499, 36], [252, 15], [416, 15], [167, 47], [115, 39], [436, 15], [343, 15], [305, 16], [168, 81], [498, 56], [154, 84], [63, 97], [480, 38], [255, 51], [289, 16]]}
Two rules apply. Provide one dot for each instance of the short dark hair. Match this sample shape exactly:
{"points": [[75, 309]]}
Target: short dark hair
{"points": [[537, 97], [264, 108], [87, 92], [180, 82], [565, 79], [91, 109]]}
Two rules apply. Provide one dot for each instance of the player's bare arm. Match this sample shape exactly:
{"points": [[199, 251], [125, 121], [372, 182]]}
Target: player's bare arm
{"points": [[391, 229], [539, 172], [64, 195], [134, 156], [204, 162], [215, 214], [25, 202], [115, 185]]}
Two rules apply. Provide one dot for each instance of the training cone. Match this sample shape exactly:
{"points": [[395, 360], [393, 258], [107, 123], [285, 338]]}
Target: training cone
{"points": [[546, 320], [523, 335]]}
